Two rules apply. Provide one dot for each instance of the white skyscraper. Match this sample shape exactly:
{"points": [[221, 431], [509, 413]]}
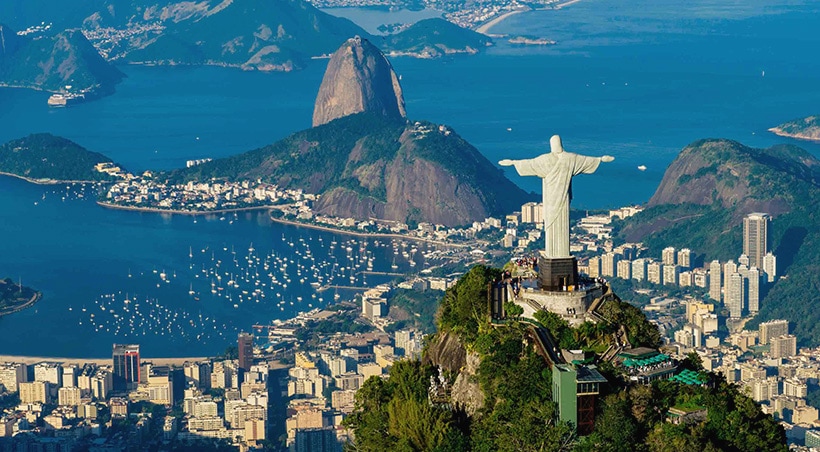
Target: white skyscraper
{"points": [[715, 281], [753, 284], [770, 267], [735, 291], [728, 268], [755, 237]]}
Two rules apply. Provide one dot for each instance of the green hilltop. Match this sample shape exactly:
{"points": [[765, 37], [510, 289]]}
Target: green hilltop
{"points": [[267, 35], [703, 197], [369, 165], [501, 391], [807, 128], [432, 38], [50, 63], [47, 158]]}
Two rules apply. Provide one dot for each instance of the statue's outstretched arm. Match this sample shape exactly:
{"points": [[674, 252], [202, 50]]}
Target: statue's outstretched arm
{"points": [[607, 158], [506, 162]]}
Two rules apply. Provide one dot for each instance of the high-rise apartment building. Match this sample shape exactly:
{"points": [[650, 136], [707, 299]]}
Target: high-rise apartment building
{"points": [[753, 289], [532, 212], [783, 346], [755, 237], [654, 272], [50, 372], [126, 366], [639, 269], [594, 267], [735, 294], [11, 375], [670, 274], [770, 267], [34, 392], [668, 256], [715, 281], [245, 351], [609, 262], [728, 268], [625, 269], [69, 396], [685, 258], [772, 329]]}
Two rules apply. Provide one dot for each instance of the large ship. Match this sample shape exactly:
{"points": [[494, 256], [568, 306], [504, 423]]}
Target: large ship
{"points": [[65, 99]]}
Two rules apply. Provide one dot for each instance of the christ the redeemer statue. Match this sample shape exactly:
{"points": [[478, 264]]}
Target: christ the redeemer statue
{"points": [[556, 170]]}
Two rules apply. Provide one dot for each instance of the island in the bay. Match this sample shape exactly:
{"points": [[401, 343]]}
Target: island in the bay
{"points": [[64, 63], [807, 128], [14, 297]]}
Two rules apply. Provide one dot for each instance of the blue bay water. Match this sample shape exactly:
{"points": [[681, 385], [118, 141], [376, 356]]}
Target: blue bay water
{"points": [[638, 81]]}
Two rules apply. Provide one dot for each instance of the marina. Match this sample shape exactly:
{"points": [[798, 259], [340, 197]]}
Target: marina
{"points": [[169, 282]]}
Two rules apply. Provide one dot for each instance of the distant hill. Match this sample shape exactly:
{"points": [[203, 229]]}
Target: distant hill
{"points": [[711, 186], [432, 38], [48, 158], [52, 63], [268, 35], [807, 128]]}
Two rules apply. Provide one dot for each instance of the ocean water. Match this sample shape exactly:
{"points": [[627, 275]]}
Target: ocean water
{"points": [[638, 81]]}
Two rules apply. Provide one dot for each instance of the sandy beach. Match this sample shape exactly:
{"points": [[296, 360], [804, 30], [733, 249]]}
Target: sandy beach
{"points": [[485, 27]]}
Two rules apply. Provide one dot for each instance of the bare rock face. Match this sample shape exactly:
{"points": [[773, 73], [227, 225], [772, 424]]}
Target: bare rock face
{"points": [[358, 79], [467, 393]]}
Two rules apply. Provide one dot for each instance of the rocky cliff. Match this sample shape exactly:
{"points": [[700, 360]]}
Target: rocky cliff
{"points": [[358, 79]]}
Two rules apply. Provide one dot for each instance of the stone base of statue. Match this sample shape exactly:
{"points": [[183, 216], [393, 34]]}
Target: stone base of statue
{"points": [[571, 305], [557, 274]]}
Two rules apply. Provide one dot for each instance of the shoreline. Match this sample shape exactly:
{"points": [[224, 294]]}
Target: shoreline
{"points": [[31, 302], [184, 212], [365, 234], [28, 360], [175, 362], [51, 181], [485, 27], [797, 136]]}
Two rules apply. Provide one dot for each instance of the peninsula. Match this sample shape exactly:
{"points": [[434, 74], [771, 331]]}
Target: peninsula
{"points": [[48, 159], [16, 297], [807, 128]]}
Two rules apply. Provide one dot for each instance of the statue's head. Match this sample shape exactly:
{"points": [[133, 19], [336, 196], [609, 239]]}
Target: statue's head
{"points": [[555, 145]]}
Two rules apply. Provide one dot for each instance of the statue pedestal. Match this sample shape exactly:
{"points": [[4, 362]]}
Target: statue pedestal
{"points": [[557, 274]]}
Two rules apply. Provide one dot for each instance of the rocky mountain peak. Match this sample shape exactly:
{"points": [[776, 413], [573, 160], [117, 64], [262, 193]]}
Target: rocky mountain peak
{"points": [[358, 79]]}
